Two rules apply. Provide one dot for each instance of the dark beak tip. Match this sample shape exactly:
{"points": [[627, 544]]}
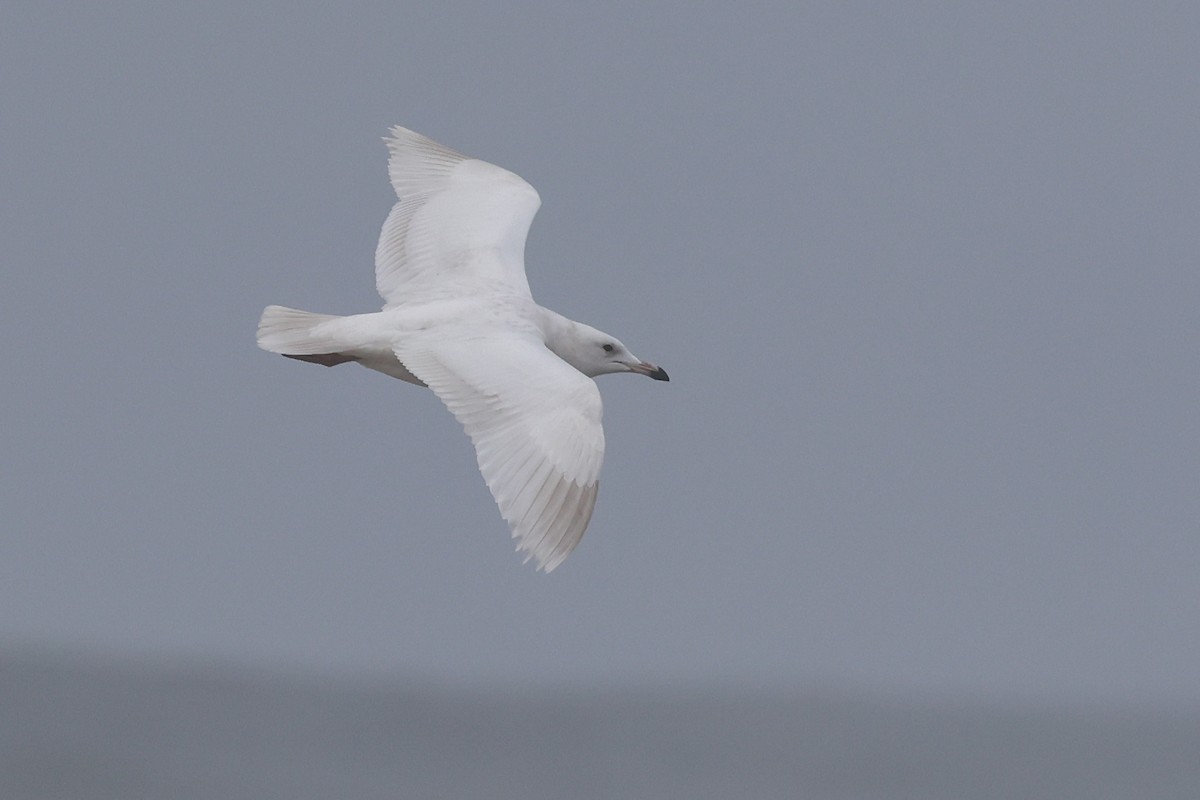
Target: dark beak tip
{"points": [[660, 374]]}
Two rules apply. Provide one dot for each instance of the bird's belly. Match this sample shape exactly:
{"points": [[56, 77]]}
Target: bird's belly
{"points": [[387, 363]]}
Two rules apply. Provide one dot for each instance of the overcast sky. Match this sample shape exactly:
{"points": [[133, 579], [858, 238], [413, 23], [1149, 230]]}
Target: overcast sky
{"points": [[925, 276]]}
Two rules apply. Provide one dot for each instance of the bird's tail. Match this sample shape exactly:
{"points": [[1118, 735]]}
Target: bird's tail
{"points": [[292, 332]]}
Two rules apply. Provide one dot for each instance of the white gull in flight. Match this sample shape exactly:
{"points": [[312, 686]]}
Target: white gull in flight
{"points": [[458, 317]]}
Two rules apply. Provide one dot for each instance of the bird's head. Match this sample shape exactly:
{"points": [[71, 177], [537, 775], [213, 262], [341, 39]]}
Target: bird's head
{"points": [[594, 352]]}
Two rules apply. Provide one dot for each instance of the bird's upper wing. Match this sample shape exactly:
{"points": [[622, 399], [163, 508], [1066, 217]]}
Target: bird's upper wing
{"points": [[535, 423], [459, 228]]}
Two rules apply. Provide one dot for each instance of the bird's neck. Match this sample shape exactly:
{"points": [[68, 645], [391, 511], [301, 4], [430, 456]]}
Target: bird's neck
{"points": [[561, 335]]}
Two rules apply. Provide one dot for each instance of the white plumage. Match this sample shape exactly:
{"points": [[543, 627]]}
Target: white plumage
{"points": [[460, 319]]}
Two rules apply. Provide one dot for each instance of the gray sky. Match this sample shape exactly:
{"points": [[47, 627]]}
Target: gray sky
{"points": [[925, 277]]}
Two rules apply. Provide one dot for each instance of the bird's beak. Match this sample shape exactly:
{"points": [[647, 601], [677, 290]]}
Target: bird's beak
{"points": [[650, 371]]}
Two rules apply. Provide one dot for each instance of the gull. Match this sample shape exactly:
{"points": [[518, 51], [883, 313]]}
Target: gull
{"points": [[458, 318]]}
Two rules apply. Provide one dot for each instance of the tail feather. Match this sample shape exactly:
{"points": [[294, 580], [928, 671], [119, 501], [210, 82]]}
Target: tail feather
{"points": [[292, 332]]}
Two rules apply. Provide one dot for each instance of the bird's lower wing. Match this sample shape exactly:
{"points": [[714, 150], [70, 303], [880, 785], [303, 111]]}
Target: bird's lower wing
{"points": [[535, 422]]}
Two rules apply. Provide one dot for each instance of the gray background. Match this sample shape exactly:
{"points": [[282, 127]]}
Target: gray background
{"points": [[924, 276]]}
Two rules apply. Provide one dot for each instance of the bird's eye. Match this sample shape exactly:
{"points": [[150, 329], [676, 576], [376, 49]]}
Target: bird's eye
{"points": [[608, 348]]}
